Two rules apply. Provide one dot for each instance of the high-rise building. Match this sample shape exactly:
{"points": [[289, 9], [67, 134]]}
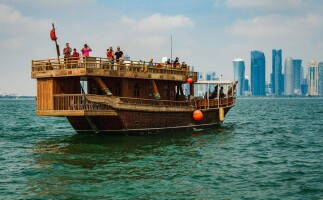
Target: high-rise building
{"points": [[269, 88], [289, 76], [276, 75], [239, 73], [320, 76], [211, 76], [304, 88], [258, 73], [246, 84], [312, 78], [297, 63]]}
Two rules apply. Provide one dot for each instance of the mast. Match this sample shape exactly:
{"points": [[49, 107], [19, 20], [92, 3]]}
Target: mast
{"points": [[53, 37], [171, 47]]}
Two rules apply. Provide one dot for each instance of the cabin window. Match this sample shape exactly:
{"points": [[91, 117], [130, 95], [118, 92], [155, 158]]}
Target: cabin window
{"points": [[136, 90], [117, 89], [165, 91], [172, 91]]}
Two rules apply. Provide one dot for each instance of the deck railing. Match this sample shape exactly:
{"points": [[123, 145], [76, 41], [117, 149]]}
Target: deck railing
{"points": [[81, 102], [77, 102], [107, 64], [153, 102]]}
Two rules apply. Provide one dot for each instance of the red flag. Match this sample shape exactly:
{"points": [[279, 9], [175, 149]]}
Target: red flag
{"points": [[53, 35]]}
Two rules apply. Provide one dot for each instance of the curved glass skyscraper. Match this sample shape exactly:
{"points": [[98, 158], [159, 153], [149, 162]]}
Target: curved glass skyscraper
{"points": [[258, 72], [239, 74], [276, 76], [289, 76]]}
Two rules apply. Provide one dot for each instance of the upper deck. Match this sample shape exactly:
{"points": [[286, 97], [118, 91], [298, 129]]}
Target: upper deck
{"points": [[96, 66]]}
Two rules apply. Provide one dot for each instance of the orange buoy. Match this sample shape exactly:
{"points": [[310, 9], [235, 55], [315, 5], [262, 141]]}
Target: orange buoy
{"points": [[198, 115], [190, 80]]}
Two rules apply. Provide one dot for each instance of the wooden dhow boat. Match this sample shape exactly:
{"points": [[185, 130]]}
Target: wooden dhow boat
{"points": [[97, 95]]}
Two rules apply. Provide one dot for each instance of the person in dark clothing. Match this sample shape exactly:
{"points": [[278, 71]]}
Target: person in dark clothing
{"points": [[176, 62], [119, 55], [222, 95], [215, 92]]}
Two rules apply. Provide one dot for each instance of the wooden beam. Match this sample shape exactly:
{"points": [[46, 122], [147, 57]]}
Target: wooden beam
{"points": [[64, 113]]}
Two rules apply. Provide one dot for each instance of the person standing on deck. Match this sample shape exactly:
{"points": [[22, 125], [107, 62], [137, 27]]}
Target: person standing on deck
{"points": [[176, 62], [67, 53], [86, 51], [75, 58], [119, 55], [151, 64], [110, 54]]}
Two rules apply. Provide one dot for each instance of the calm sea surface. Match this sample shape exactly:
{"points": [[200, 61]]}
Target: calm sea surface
{"points": [[266, 149]]}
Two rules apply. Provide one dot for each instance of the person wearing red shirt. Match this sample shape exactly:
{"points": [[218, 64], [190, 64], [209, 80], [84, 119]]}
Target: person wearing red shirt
{"points": [[110, 56], [75, 57]]}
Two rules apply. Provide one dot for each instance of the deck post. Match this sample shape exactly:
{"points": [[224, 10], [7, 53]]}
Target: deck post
{"points": [[208, 95], [191, 91]]}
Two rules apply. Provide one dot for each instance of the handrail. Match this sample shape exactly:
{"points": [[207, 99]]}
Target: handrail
{"points": [[81, 102], [105, 63]]}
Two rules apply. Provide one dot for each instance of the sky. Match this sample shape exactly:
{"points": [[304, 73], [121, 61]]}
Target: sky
{"points": [[207, 34]]}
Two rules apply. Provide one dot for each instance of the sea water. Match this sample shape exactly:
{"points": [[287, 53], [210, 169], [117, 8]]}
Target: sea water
{"points": [[265, 149]]}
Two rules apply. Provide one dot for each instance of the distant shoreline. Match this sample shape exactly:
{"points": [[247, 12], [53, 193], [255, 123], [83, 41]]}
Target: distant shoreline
{"points": [[16, 97], [279, 97]]}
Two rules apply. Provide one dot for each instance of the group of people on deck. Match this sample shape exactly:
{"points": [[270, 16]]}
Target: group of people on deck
{"points": [[214, 94], [67, 51], [115, 57]]}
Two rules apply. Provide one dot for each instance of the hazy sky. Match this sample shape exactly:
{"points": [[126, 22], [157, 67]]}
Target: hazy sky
{"points": [[207, 34]]}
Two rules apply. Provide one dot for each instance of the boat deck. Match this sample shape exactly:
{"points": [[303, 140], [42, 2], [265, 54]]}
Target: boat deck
{"points": [[101, 105], [96, 66]]}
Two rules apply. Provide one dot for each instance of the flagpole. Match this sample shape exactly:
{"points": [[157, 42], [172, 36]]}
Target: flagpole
{"points": [[57, 46], [171, 48]]}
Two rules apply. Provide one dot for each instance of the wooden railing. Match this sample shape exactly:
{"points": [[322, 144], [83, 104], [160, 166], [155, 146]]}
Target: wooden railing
{"points": [[107, 64], [153, 102], [81, 102], [201, 103], [77, 102]]}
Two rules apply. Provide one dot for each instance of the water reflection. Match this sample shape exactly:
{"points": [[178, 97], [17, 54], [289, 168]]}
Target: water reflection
{"points": [[89, 159]]}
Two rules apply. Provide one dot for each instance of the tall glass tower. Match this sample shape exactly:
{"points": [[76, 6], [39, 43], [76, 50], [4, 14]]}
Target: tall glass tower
{"points": [[312, 78], [320, 76], [258, 73], [289, 76], [297, 63], [276, 76], [239, 73]]}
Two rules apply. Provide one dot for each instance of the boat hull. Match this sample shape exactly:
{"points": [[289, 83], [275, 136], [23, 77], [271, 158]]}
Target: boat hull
{"points": [[140, 122]]}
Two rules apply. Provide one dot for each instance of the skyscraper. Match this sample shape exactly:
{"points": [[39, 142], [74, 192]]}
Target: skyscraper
{"points": [[239, 73], [258, 72], [320, 76], [289, 76], [312, 78], [246, 84], [297, 63], [276, 75]]}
